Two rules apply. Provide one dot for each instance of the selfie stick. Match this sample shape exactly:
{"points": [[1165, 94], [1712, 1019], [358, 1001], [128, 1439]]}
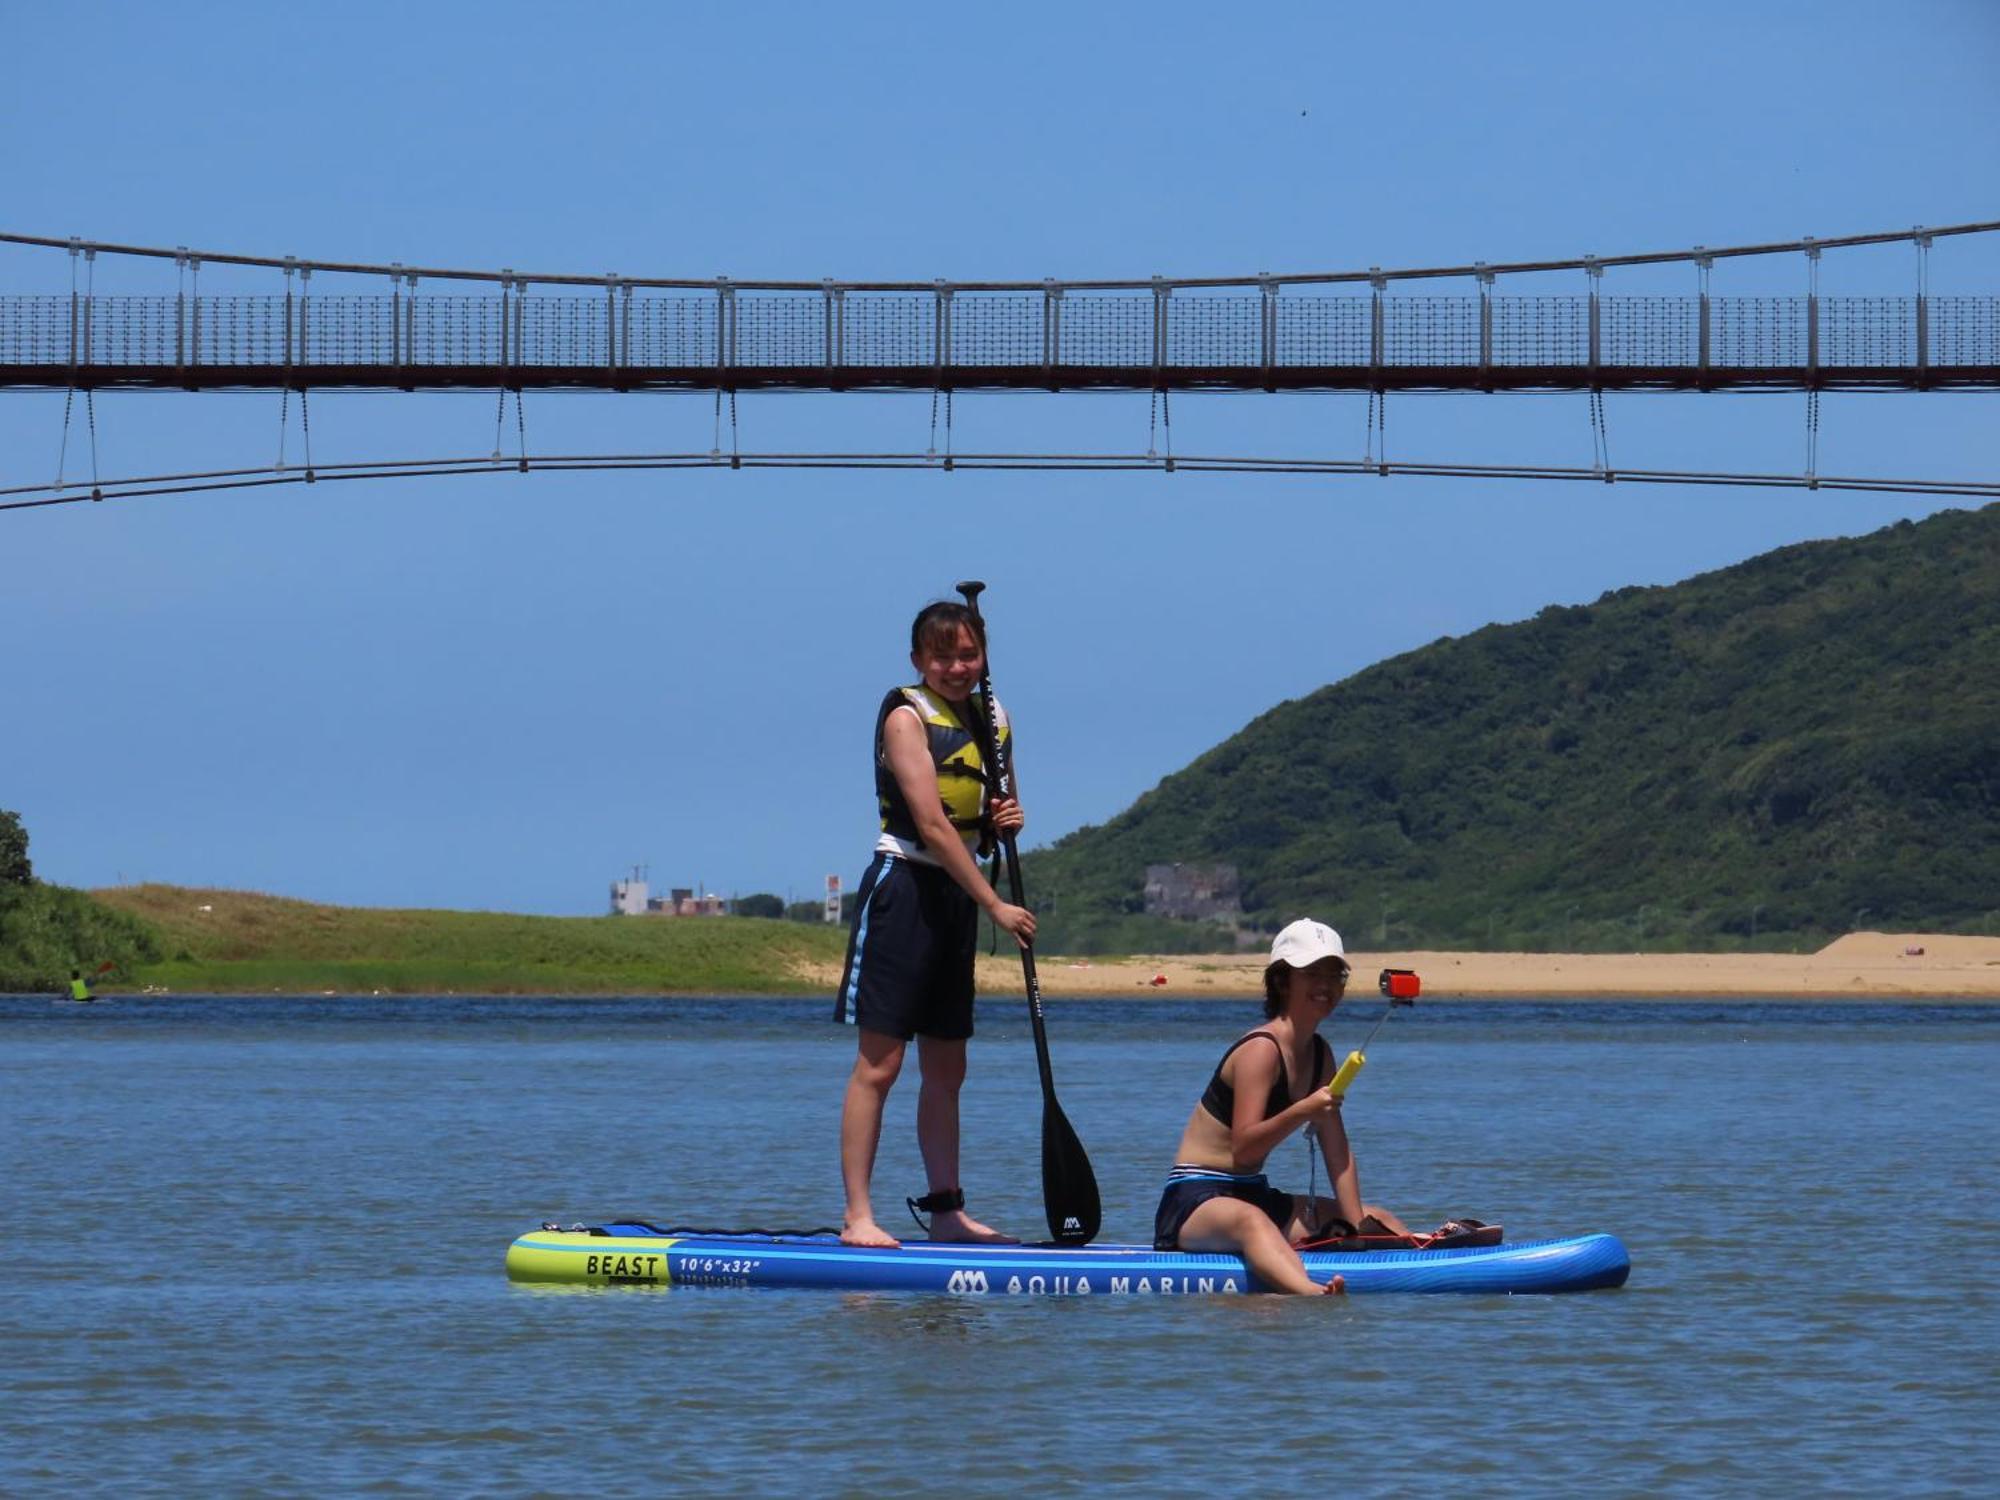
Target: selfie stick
{"points": [[1399, 987]]}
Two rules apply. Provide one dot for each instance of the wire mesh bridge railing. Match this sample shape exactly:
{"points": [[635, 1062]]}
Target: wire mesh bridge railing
{"points": [[629, 338]]}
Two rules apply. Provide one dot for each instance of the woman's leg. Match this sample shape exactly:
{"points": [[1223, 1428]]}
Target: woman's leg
{"points": [[877, 1062], [943, 1064], [1230, 1224]]}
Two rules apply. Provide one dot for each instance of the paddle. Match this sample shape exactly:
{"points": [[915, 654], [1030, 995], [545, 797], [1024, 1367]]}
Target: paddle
{"points": [[1069, 1187]]}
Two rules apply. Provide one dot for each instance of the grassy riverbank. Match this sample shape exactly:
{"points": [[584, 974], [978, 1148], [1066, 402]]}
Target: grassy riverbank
{"points": [[237, 942]]}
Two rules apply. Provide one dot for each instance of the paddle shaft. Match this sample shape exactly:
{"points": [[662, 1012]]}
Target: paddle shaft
{"points": [[1069, 1186]]}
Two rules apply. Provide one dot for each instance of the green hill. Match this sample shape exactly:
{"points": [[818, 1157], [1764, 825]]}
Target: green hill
{"points": [[1758, 757], [235, 941]]}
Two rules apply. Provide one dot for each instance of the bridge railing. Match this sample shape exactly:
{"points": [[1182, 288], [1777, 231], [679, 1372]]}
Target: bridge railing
{"points": [[933, 336]]}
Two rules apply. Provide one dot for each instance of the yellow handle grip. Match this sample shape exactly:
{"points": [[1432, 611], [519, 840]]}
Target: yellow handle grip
{"points": [[1345, 1074]]}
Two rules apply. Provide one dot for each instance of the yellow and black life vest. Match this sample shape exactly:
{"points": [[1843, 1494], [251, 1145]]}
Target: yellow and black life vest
{"points": [[954, 750]]}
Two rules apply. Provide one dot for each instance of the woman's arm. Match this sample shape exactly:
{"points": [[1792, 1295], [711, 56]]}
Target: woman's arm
{"points": [[907, 748], [1251, 1136], [1341, 1172]]}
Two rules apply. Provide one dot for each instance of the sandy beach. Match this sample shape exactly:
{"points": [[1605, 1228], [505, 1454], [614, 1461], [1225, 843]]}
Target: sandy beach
{"points": [[1859, 966]]}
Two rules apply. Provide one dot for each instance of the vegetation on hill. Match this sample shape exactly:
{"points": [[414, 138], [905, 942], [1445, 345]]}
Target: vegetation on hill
{"points": [[233, 941], [1762, 756], [48, 930]]}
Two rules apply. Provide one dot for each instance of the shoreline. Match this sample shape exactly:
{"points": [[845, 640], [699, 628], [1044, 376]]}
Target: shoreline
{"points": [[1859, 966]]}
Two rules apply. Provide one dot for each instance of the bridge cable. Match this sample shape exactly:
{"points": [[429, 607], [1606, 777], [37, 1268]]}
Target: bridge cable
{"points": [[90, 391], [1376, 423], [932, 451], [69, 401], [715, 448], [1160, 421]]}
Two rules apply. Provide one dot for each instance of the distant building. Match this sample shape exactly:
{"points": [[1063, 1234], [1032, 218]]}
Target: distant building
{"points": [[633, 898], [681, 901], [1194, 893]]}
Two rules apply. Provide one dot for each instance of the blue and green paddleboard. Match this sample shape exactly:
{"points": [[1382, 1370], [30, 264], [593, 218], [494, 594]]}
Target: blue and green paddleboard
{"points": [[633, 1253]]}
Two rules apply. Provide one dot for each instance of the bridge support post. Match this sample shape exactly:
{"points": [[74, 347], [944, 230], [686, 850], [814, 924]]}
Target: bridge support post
{"points": [[1703, 263], [194, 313], [1052, 297], [725, 333], [506, 322], [625, 325], [291, 269], [941, 336], [305, 316], [1812, 315], [1923, 328], [180, 313], [1267, 330], [1596, 355], [1161, 292], [834, 306], [1485, 279], [1378, 284], [611, 326]]}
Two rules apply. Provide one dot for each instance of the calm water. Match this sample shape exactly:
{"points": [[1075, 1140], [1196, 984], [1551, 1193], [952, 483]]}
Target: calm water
{"points": [[255, 1247]]}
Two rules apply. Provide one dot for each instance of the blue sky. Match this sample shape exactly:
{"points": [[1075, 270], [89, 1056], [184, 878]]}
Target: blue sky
{"points": [[503, 691]]}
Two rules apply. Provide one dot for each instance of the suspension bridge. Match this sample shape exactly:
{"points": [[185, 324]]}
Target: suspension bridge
{"points": [[1374, 331]]}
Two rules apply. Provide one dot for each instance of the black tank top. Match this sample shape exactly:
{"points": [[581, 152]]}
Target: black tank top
{"points": [[1219, 1098]]}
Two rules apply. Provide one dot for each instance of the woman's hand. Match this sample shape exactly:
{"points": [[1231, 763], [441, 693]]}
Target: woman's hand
{"points": [[1007, 815], [1318, 1104], [1015, 920]]}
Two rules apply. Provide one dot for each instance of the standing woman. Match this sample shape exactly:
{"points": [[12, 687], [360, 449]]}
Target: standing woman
{"points": [[909, 959], [1272, 1081]]}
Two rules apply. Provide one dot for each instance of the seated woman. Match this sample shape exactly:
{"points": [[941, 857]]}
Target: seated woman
{"points": [[1217, 1197]]}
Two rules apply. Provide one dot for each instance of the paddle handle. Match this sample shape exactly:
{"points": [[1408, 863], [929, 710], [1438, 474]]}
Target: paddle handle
{"points": [[1344, 1074]]}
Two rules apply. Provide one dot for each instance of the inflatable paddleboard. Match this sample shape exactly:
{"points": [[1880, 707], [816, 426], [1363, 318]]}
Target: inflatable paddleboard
{"points": [[629, 1253]]}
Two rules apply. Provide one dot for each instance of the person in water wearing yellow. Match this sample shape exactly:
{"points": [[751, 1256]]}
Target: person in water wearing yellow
{"points": [[1271, 1082], [909, 957], [79, 987]]}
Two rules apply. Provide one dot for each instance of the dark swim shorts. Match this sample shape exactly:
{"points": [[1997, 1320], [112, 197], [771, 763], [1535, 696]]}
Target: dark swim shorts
{"points": [[1184, 1194], [909, 958]]}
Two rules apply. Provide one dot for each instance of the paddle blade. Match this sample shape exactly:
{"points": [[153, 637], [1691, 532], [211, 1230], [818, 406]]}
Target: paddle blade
{"points": [[1069, 1187]]}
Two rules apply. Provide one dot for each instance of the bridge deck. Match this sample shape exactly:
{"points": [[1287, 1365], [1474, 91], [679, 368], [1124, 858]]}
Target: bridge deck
{"points": [[1410, 377]]}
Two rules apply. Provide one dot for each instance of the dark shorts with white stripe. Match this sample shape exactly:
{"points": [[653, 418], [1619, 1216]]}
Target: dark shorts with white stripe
{"points": [[1183, 1195], [909, 957]]}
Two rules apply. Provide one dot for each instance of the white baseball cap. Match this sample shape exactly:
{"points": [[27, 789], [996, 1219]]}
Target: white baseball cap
{"points": [[1305, 942]]}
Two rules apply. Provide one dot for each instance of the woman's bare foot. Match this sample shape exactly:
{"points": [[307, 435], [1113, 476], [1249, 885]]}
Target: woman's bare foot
{"points": [[951, 1226], [868, 1234], [1336, 1287]]}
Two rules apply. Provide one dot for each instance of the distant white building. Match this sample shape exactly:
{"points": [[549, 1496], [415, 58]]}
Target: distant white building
{"points": [[628, 898]]}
